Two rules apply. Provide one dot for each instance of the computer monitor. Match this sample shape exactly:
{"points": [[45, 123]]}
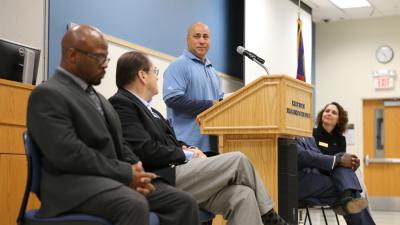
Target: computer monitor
{"points": [[18, 62]]}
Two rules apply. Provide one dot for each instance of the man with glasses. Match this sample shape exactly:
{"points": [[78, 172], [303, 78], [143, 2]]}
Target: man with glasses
{"points": [[87, 166], [226, 184], [100, 58], [191, 85]]}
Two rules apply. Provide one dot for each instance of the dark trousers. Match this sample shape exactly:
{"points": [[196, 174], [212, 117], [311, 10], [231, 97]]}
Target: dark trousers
{"points": [[327, 187], [123, 206]]}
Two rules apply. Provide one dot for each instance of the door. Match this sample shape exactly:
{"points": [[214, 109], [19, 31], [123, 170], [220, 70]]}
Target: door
{"points": [[382, 152]]}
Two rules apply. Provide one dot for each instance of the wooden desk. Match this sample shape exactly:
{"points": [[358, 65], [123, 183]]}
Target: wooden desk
{"points": [[13, 164]]}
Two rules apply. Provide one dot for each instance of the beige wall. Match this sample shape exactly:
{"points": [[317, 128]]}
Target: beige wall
{"points": [[23, 21], [345, 60]]}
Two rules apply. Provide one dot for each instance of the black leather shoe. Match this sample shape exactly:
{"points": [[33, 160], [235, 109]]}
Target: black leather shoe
{"points": [[272, 218], [351, 206]]}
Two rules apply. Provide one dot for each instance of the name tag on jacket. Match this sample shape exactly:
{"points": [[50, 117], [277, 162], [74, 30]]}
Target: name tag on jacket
{"points": [[323, 144]]}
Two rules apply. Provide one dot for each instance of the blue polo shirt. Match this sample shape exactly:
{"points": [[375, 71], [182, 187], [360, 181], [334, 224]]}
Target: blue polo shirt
{"points": [[190, 77]]}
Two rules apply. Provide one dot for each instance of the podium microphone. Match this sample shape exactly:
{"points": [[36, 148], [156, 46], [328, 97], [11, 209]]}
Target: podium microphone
{"points": [[249, 54], [241, 50]]}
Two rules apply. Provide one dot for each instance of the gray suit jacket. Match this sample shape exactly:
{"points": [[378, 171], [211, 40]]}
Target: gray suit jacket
{"points": [[81, 150]]}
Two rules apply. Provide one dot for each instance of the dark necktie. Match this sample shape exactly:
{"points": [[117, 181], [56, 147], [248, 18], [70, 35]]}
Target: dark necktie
{"points": [[92, 94]]}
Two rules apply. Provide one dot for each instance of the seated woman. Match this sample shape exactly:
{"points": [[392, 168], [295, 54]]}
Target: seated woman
{"points": [[330, 179], [331, 123]]}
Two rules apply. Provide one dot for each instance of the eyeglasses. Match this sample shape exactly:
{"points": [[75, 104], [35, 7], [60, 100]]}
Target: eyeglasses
{"points": [[155, 70], [100, 58]]}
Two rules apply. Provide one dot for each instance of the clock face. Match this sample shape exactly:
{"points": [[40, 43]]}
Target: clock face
{"points": [[384, 54]]}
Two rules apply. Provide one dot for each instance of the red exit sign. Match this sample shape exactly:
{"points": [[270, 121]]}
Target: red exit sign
{"points": [[384, 82]]}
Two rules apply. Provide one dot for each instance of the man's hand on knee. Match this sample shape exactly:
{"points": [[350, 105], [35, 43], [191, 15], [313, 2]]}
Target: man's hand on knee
{"points": [[197, 153], [141, 180]]}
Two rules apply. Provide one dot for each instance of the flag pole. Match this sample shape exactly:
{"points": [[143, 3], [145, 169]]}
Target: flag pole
{"points": [[300, 48], [298, 9]]}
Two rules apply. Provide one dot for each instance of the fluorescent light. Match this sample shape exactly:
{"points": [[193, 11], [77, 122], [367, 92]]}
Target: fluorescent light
{"points": [[345, 4]]}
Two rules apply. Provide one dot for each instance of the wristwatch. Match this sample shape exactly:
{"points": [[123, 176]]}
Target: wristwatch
{"points": [[338, 159]]}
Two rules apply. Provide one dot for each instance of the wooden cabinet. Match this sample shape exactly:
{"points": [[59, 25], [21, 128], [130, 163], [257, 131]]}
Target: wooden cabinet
{"points": [[13, 164]]}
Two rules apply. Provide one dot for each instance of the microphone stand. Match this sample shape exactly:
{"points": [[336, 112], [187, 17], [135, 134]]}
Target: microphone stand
{"points": [[262, 65]]}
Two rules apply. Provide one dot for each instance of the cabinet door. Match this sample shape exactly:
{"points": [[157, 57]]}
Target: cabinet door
{"points": [[13, 175]]}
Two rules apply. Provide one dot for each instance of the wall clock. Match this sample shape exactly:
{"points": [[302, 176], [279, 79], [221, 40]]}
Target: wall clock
{"points": [[384, 54]]}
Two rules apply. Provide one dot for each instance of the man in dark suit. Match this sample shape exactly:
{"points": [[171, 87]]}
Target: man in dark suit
{"points": [[331, 180], [226, 184], [87, 166]]}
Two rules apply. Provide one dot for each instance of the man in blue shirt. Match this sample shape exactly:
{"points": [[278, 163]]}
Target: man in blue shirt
{"points": [[191, 85]]}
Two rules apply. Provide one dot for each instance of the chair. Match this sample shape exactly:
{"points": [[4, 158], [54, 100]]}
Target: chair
{"points": [[315, 203], [33, 185], [206, 217]]}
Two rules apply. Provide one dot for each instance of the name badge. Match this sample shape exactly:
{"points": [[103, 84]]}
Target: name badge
{"points": [[323, 144]]}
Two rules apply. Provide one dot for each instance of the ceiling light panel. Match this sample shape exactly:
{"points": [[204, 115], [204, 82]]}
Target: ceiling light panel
{"points": [[346, 4]]}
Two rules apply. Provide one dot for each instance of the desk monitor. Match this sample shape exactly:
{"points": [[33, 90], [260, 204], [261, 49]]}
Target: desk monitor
{"points": [[18, 62]]}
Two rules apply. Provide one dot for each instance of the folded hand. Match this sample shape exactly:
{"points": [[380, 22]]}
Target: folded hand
{"points": [[141, 180]]}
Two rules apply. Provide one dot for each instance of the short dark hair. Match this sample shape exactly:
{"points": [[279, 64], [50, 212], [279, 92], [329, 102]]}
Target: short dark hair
{"points": [[128, 66], [343, 119]]}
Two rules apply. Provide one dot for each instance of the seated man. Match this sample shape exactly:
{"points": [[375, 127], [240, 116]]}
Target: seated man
{"points": [[226, 184], [331, 180], [80, 139]]}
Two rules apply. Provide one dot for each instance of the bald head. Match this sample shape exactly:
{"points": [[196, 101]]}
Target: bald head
{"points": [[84, 53], [198, 40], [196, 25], [80, 36]]}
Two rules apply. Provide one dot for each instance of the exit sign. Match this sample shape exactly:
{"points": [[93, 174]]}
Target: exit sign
{"points": [[384, 82], [384, 79]]}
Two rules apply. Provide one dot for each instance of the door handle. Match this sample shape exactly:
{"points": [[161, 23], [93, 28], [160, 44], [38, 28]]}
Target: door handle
{"points": [[368, 160]]}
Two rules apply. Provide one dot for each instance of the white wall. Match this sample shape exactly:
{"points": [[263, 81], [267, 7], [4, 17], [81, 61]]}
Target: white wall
{"points": [[345, 59], [23, 21], [271, 33]]}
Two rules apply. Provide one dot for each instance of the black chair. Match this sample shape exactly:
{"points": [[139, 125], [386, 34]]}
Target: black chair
{"points": [[206, 217], [315, 203], [33, 185]]}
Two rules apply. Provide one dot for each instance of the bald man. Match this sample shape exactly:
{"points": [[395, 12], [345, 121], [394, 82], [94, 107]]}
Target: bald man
{"points": [[191, 85], [87, 167]]}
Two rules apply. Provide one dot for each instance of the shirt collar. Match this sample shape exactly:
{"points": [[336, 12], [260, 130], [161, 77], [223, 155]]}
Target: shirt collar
{"points": [[195, 58], [324, 132], [81, 83], [145, 103]]}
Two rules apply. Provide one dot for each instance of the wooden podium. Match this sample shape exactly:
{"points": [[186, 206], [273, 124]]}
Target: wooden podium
{"points": [[252, 119]]}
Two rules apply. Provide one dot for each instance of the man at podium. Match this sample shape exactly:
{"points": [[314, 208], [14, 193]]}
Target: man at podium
{"points": [[226, 184], [191, 85]]}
